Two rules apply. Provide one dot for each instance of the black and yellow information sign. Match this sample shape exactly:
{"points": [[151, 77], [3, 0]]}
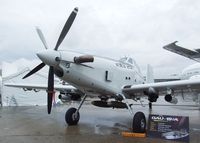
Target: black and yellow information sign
{"points": [[168, 127]]}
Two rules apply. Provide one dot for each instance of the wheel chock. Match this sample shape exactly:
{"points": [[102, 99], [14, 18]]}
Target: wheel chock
{"points": [[132, 134]]}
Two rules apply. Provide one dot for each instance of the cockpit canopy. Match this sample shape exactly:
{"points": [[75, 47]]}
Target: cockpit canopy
{"points": [[130, 61], [127, 60]]}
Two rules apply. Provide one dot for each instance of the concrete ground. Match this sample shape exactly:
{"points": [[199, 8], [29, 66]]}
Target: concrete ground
{"points": [[34, 125]]}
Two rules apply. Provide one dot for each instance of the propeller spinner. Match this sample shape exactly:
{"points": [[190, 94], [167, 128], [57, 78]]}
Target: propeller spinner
{"points": [[48, 57]]}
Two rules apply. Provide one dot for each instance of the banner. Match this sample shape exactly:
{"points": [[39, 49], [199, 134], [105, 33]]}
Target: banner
{"points": [[168, 127]]}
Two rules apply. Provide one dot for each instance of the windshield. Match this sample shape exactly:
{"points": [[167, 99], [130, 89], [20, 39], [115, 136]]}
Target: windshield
{"points": [[127, 60]]}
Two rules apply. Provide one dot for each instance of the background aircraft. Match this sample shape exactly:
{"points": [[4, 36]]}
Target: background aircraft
{"points": [[192, 71], [112, 81], [191, 54]]}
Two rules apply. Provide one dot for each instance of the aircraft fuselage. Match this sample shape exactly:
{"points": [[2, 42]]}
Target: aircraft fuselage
{"points": [[102, 76]]}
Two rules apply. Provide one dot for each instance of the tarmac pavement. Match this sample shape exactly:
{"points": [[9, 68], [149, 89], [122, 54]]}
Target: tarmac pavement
{"points": [[34, 125]]}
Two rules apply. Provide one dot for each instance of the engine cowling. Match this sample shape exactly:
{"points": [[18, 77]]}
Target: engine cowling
{"points": [[169, 98], [152, 94]]}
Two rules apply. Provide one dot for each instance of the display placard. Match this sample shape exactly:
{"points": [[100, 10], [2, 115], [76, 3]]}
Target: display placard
{"points": [[168, 127]]}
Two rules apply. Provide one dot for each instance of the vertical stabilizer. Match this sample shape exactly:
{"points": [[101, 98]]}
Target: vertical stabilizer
{"points": [[149, 76]]}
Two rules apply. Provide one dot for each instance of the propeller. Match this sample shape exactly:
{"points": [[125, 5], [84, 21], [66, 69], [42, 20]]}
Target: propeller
{"points": [[50, 89], [42, 37], [66, 28], [37, 68]]}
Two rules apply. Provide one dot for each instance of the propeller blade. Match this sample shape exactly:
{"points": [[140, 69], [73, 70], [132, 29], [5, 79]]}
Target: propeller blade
{"points": [[40, 66], [42, 37], [66, 28], [50, 91]]}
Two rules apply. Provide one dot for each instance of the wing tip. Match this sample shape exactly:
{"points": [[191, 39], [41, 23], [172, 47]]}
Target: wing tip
{"points": [[171, 44], [75, 9]]}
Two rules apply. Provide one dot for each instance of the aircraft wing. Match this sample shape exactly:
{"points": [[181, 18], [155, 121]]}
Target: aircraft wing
{"points": [[58, 87], [162, 87], [191, 54], [165, 79]]}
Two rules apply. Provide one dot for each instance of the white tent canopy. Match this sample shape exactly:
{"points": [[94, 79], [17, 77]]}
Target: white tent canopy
{"points": [[13, 73]]}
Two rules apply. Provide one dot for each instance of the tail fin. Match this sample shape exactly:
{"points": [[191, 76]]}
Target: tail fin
{"points": [[149, 76]]}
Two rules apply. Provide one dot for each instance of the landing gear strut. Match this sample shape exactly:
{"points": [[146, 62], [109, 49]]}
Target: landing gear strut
{"points": [[72, 115], [139, 120], [150, 105]]}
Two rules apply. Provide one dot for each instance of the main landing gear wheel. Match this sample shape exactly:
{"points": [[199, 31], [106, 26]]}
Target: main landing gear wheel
{"points": [[71, 117], [139, 123]]}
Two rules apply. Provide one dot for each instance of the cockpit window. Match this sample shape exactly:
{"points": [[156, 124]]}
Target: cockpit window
{"points": [[130, 60], [123, 59], [131, 63], [127, 60]]}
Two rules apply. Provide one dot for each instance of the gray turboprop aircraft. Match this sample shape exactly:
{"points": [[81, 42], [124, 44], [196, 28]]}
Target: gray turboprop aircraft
{"points": [[112, 81]]}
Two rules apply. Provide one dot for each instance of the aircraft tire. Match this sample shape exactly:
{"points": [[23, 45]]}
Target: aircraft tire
{"points": [[70, 117], [139, 123]]}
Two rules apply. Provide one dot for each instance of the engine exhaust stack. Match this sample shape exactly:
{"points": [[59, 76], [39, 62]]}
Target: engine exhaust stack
{"points": [[83, 59]]}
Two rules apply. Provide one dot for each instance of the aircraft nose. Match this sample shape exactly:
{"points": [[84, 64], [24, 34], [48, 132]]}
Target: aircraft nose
{"points": [[49, 57]]}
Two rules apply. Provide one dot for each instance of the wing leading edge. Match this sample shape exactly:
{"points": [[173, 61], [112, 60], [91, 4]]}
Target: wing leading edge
{"points": [[176, 86], [40, 86]]}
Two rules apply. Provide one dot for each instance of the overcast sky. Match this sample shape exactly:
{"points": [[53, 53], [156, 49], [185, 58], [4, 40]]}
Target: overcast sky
{"points": [[110, 28]]}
